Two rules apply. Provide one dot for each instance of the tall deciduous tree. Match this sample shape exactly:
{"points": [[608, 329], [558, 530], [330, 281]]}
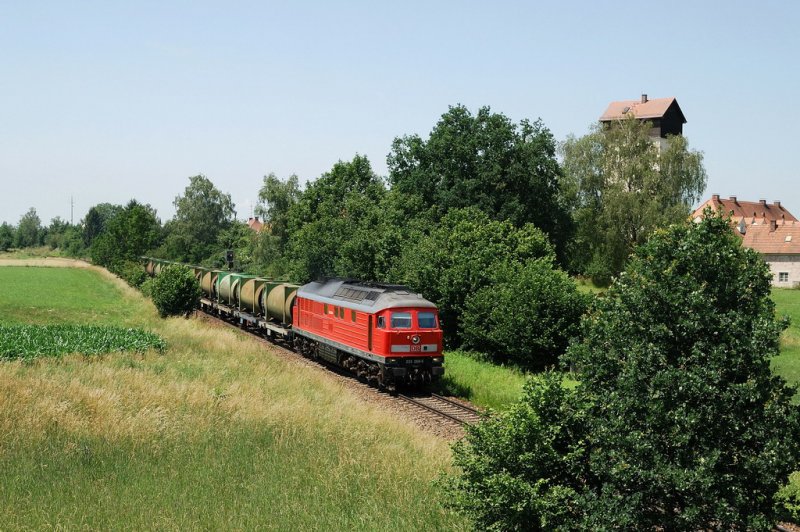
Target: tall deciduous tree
{"points": [[201, 213], [623, 186], [485, 161], [6, 236], [28, 230], [96, 219], [134, 231], [678, 422], [335, 224], [276, 199]]}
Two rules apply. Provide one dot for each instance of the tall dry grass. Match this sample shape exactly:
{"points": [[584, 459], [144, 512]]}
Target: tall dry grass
{"points": [[215, 433]]}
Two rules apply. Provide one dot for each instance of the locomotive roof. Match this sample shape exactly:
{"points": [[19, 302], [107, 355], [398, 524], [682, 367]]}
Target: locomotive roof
{"points": [[365, 297]]}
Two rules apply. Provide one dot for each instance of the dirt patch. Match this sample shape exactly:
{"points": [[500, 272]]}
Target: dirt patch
{"points": [[53, 262]]}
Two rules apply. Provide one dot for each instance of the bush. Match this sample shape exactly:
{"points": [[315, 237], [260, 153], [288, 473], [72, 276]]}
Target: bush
{"points": [[678, 422], [459, 256], [527, 316], [146, 288], [789, 497], [130, 271], [175, 291]]}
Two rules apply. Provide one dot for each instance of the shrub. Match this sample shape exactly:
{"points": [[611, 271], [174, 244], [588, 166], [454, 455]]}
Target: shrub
{"points": [[527, 316], [789, 497], [459, 256], [130, 271], [146, 288], [678, 422], [175, 291]]}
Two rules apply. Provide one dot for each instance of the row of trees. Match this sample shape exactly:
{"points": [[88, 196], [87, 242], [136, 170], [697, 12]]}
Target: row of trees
{"points": [[471, 216]]}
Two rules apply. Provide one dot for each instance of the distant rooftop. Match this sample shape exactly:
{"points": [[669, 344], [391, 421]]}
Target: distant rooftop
{"points": [[643, 109]]}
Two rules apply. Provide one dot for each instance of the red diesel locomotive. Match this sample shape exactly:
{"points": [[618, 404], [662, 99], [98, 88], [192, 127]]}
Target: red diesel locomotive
{"points": [[383, 333]]}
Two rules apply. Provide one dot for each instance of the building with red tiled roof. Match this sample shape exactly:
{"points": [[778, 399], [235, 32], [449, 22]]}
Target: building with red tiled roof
{"points": [[752, 212], [769, 229], [255, 224], [664, 114]]}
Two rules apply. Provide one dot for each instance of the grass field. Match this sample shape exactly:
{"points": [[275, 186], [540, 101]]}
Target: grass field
{"points": [[213, 434], [787, 364]]}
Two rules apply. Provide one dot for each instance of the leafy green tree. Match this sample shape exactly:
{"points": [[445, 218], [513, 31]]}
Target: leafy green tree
{"points": [[55, 233], [678, 423], [458, 257], [508, 171], [276, 199], [527, 315], [28, 230], [127, 236], [330, 225], [623, 186], [7, 236], [202, 212], [96, 219], [175, 291]]}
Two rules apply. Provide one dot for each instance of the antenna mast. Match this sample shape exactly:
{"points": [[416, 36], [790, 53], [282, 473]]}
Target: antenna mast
{"points": [[71, 209]]}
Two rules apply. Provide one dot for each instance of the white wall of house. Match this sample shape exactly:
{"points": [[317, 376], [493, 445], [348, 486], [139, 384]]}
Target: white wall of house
{"points": [[788, 264]]}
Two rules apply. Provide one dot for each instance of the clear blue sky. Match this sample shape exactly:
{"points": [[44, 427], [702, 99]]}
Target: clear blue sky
{"points": [[108, 101]]}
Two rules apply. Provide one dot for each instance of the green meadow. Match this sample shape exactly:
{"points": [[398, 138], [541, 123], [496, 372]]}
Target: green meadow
{"points": [[213, 433]]}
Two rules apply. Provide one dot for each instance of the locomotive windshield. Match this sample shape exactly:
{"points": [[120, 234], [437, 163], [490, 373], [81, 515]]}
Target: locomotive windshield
{"points": [[426, 320], [401, 320]]}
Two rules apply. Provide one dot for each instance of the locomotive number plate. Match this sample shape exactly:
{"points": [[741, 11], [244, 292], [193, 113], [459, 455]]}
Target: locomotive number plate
{"points": [[416, 348]]}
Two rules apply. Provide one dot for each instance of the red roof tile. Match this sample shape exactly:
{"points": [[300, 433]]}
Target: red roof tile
{"points": [[654, 108], [784, 239], [749, 211]]}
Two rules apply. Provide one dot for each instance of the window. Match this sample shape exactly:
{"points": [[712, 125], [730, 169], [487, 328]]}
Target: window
{"points": [[381, 322], [427, 320], [401, 320], [353, 315], [783, 277]]}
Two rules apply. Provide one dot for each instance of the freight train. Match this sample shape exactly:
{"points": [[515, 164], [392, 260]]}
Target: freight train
{"points": [[385, 334]]}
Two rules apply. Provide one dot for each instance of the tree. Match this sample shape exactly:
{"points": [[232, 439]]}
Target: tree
{"points": [[623, 187], [527, 315], [96, 219], [458, 257], [678, 422], [28, 230], [507, 171], [201, 213], [276, 199], [332, 224], [127, 236], [7, 236]]}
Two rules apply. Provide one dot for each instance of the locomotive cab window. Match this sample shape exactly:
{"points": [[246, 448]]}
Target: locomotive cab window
{"points": [[426, 320], [381, 322], [401, 320]]}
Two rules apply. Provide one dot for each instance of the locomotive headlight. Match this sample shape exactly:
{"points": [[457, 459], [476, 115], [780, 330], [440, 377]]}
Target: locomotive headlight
{"points": [[415, 339], [437, 360]]}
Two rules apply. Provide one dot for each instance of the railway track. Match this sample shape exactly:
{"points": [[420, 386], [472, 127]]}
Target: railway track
{"points": [[443, 408]]}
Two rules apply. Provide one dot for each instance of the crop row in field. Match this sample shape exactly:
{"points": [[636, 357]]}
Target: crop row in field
{"points": [[28, 341]]}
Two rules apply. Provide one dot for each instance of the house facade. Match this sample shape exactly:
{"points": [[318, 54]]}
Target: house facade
{"points": [[769, 229], [663, 114]]}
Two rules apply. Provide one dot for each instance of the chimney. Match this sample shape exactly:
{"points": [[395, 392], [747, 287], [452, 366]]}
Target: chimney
{"points": [[715, 197], [777, 204], [644, 98], [763, 202], [733, 199]]}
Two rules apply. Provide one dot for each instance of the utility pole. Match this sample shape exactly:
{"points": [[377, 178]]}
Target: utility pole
{"points": [[71, 209]]}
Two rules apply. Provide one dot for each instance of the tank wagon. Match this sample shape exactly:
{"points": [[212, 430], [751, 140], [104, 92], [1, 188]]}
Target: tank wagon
{"points": [[385, 334]]}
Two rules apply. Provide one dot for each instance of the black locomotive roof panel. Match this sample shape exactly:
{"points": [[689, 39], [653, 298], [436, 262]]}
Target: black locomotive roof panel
{"points": [[366, 297]]}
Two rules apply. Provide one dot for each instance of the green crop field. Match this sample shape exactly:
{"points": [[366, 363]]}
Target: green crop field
{"points": [[215, 433]]}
